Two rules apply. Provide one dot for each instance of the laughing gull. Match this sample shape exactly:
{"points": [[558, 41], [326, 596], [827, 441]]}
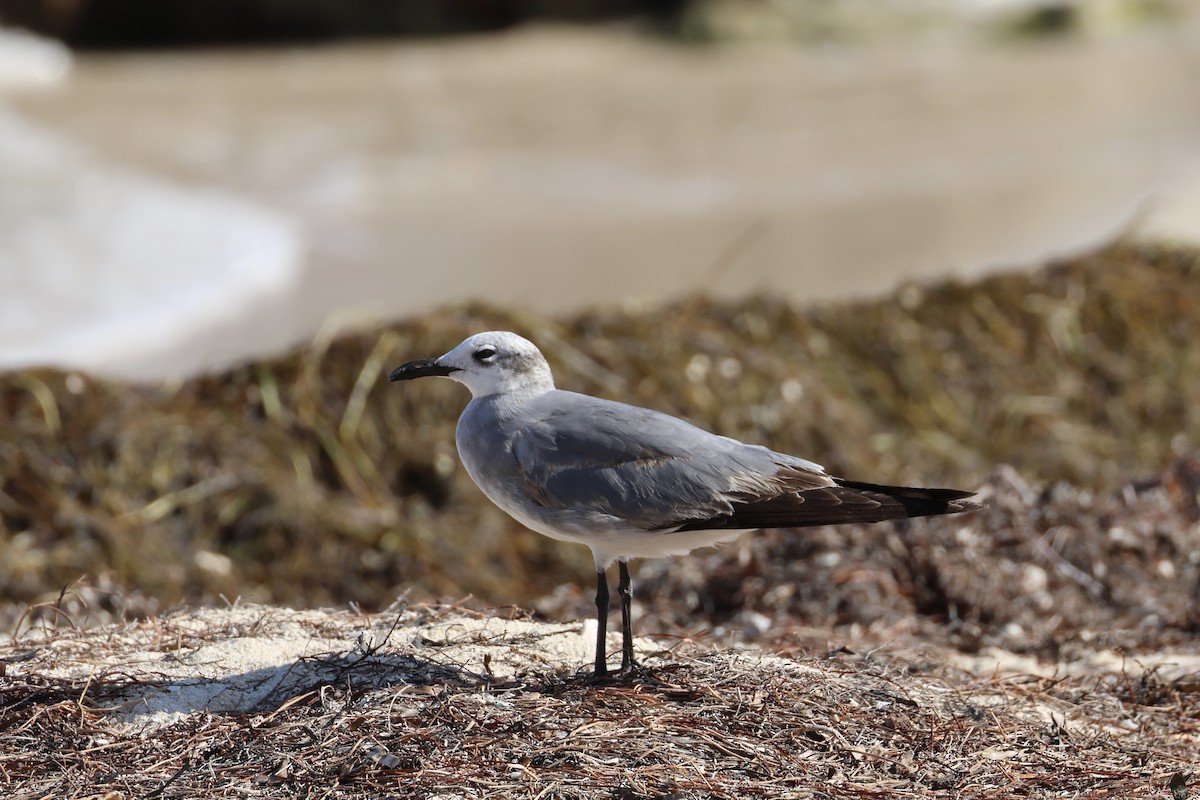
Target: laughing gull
{"points": [[629, 482]]}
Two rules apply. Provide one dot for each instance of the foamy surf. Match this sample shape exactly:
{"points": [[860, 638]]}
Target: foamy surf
{"points": [[28, 61], [104, 267]]}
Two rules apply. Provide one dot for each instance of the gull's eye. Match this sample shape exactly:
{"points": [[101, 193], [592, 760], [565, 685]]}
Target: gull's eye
{"points": [[485, 354]]}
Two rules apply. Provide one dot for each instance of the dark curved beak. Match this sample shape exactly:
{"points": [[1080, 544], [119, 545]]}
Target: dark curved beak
{"points": [[421, 368]]}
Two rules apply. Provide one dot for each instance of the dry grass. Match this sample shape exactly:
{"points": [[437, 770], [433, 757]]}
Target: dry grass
{"points": [[414, 716], [1082, 683]]}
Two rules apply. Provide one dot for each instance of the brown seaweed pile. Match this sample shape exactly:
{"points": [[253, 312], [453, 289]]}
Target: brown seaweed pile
{"points": [[308, 480]]}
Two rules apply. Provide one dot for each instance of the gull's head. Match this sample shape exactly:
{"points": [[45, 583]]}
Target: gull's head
{"points": [[496, 362]]}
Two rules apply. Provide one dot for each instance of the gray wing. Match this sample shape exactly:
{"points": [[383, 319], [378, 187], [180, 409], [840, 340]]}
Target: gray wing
{"points": [[657, 472]]}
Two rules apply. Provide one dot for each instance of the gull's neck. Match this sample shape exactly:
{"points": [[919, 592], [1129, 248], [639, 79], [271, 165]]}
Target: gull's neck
{"points": [[515, 392]]}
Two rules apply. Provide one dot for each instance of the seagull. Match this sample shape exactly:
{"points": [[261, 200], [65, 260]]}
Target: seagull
{"points": [[630, 482]]}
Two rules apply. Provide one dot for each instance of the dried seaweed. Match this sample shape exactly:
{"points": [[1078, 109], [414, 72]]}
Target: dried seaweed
{"points": [[307, 480], [697, 724], [1046, 647]]}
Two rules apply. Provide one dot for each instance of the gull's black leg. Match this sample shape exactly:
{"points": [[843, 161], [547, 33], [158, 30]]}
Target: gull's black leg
{"points": [[601, 623], [623, 589]]}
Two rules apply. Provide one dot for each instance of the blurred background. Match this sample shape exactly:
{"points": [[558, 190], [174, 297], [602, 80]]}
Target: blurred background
{"points": [[186, 184], [877, 233]]}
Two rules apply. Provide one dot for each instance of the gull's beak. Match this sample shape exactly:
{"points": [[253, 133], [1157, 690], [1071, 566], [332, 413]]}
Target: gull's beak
{"points": [[421, 368]]}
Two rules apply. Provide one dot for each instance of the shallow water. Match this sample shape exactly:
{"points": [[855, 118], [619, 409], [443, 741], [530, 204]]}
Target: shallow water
{"points": [[555, 169]]}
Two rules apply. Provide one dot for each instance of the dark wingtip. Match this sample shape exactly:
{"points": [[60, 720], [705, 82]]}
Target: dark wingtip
{"points": [[962, 506], [918, 501]]}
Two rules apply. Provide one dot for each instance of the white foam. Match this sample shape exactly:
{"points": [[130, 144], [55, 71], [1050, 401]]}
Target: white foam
{"points": [[28, 61], [101, 265]]}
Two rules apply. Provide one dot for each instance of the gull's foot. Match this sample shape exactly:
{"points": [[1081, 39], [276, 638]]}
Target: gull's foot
{"points": [[602, 679], [637, 673], [627, 674]]}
